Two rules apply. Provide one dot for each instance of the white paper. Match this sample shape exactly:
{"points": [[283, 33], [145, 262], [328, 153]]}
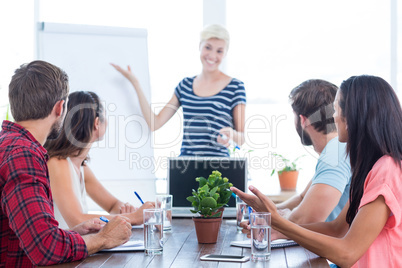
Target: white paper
{"points": [[278, 243], [131, 245]]}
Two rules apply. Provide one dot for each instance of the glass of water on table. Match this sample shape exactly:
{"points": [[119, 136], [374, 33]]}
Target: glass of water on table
{"points": [[153, 231], [242, 213], [260, 223], [165, 202]]}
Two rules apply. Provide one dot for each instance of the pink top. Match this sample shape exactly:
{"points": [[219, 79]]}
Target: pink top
{"points": [[385, 179]]}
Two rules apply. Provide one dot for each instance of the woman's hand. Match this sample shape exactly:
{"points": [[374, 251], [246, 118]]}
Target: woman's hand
{"points": [[127, 208], [246, 228], [225, 136], [259, 202], [126, 73], [137, 216]]}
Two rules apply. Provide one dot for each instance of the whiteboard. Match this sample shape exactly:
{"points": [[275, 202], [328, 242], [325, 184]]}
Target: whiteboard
{"points": [[85, 53]]}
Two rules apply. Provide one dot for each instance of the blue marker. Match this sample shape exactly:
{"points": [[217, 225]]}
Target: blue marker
{"points": [[142, 202], [234, 195], [104, 219]]}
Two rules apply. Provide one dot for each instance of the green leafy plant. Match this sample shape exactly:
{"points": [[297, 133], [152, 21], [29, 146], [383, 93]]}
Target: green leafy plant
{"points": [[6, 114], [289, 165], [212, 194]]}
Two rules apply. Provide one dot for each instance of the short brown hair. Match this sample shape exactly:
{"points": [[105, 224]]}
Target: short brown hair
{"points": [[314, 98], [34, 90]]}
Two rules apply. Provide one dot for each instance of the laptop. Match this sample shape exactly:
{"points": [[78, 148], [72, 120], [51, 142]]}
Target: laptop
{"points": [[182, 172]]}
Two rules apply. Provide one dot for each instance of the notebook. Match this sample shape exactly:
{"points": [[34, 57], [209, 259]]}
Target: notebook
{"points": [[131, 245], [182, 172], [278, 243]]}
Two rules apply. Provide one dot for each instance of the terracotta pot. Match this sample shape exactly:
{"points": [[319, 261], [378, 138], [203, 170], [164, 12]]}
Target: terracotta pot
{"points": [[207, 229], [219, 210], [288, 180]]}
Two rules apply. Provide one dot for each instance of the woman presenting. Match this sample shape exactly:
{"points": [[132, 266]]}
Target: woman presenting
{"points": [[213, 103]]}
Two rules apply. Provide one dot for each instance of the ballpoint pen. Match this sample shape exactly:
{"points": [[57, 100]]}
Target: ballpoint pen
{"points": [[142, 202], [104, 219]]}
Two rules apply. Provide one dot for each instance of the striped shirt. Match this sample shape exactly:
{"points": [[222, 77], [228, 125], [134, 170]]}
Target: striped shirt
{"points": [[205, 116]]}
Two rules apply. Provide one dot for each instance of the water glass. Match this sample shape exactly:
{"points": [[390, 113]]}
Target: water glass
{"points": [[241, 213], [153, 231], [260, 236], [165, 203]]}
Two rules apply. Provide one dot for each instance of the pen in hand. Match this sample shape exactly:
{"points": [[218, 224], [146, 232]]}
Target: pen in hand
{"points": [[231, 142], [104, 219], [142, 202]]}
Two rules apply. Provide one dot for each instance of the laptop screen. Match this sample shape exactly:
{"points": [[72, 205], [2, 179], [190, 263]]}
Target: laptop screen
{"points": [[182, 172]]}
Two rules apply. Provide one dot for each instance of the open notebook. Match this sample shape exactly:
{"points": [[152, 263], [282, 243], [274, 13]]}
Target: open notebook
{"points": [[278, 243]]}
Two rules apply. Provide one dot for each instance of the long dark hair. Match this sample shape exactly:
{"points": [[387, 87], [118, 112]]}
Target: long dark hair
{"points": [[374, 121], [82, 109]]}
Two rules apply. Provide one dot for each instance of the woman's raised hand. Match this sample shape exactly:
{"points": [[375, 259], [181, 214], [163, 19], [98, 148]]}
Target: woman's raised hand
{"points": [[259, 202], [126, 73]]}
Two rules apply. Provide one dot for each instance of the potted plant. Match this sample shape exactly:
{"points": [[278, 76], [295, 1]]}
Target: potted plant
{"points": [[287, 175], [211, 196]]}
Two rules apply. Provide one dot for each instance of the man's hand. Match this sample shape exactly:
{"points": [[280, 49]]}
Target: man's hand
{"points": [[246, 228], [89, 226], [284, 212], [116, 232]]}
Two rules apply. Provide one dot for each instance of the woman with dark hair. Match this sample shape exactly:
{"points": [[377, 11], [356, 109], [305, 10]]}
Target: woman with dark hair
{"points": [[368, 231], [70, 176]]}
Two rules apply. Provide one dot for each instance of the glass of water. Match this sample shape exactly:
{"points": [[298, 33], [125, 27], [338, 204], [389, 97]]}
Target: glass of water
{"points": [[260, 236], [164, 202], [153, 231], [241, 213]]}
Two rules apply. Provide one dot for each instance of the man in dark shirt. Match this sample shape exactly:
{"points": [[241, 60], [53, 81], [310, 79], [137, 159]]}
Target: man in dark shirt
{"points": [[29, 233]]}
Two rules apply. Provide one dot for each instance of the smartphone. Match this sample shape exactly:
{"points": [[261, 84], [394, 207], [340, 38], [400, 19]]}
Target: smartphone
{"points": [[233, 258]]}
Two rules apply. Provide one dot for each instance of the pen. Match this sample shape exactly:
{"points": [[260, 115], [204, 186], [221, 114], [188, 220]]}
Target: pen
{"points": [[249, 216], [142, 202], [104, 219]]}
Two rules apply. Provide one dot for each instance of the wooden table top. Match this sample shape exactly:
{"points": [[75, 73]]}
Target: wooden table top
{"points": [[181, 249]]}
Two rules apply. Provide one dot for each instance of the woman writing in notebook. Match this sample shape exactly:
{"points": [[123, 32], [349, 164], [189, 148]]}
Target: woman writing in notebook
{"points": [[368, 231], [213, 102], [70, 176]]}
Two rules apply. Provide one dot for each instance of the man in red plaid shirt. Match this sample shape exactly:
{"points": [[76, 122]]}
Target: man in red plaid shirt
{"points": [[29, 233]]}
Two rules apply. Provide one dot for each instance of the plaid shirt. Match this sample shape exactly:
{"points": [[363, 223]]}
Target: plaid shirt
{"points": [[29, 233]]}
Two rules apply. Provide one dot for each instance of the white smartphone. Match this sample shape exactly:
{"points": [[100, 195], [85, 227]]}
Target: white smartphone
{"points": [[216, 257]]}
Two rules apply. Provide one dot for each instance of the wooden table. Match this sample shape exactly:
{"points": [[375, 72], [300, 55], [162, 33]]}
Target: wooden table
{"points": [[181, 249]]}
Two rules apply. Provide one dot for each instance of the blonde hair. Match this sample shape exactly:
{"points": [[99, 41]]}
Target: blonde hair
{"points": [[215, 31]]}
